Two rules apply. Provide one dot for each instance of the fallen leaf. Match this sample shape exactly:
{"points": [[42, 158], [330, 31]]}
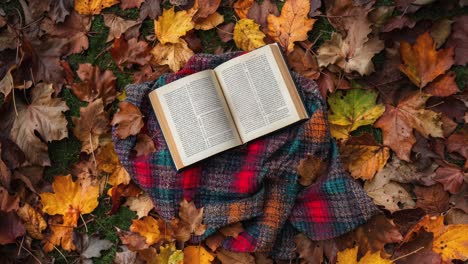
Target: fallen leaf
{"points": [[456, 216], [33, 221], [61, 235], [229, 257], [174, 55], [197, 255], [398, 122], [95, 84], [148, 73], [92, 123], [458, 40], [44, 115], [458, 142], [147, 227], [142, 205], [452, 243], [443, 86], [349, 256], [7, 83], [398, 22], [364, 157], [118, 25], [128, 120], [11, 227], [292, 25], [310, 252], [352, 109], [192, 216], [172, 25], [328, 82], [108, 162], [127, 4], [225, 32], [169, 254], [303, 62], [93, 7], [151, 9], [422, 63], [8, 202], [310, 169], [247, 35], [391, 195], [210, 22], [259, 13], [60, 9], [451, 177], [242, 7], [440, 31], [433, 199], [126, 53], [125, 257], [232, 230], [203, 8], [90, 246], [134, 241], [144, 145]]}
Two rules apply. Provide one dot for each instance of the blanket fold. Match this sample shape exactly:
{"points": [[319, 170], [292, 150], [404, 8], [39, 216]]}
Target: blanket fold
{"points": [[255, 183]]}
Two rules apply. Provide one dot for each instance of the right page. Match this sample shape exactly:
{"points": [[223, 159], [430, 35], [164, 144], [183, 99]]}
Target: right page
{"points": [[260, 92]]}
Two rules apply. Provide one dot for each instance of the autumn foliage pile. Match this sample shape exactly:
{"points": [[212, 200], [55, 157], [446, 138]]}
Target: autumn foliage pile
{"points": [[393, 73]]}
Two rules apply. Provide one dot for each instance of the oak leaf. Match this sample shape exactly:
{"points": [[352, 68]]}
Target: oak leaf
{"points": [[128, 120], [210, 22], [147, 227], [310, 169], [398, 122], [172, 25], [351, 110], [144, 145], [173, 54], [197, 255], [95, 84], [33, 221], [43, 115], [93, 7], [349, 256], [118, 26], [192, 216], [69, 199], [126, 53], [142, 205], [364, 157], [422, 63], [92, 123], [247, 35], [292, 25], [242, 7]]}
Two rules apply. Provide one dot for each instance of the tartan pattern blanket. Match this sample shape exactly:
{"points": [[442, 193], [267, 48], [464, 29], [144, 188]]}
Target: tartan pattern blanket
{"points": [[255, 183]]}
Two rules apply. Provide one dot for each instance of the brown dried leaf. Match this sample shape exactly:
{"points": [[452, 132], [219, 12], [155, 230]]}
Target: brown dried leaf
{"points": [[95, 84], [127, 4], [458, 40], [118, 25], [144, 145], [142, 205], [458, 142], [151, 9], [443, 86], [242, 7], [451, 177], [33, 220], [310, 252], [174, 55], [260, 11], [125, 54], [128, 120], [192, 216], [10, 227], [60, 9], [148, 73], [133, 241], [434, 199], [228, 257], [309, 169]]}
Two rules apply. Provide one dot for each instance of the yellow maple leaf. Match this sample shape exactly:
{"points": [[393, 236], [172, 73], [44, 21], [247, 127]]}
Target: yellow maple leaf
{"points": [[349, 256], [172, 25], [148, 227], [247, 35], [173, 54], [210, 22], [108, 162], [292, 25], [452, 243], [197, 255], [70, 199], [170, 255], [33, 221], [93, 7]]}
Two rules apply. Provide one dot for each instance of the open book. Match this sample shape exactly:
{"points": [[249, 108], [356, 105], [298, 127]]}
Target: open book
{"points": [[214, 110]]}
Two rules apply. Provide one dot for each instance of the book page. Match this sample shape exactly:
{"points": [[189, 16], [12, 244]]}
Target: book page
{"points": [[197, 117], [257, 94]]}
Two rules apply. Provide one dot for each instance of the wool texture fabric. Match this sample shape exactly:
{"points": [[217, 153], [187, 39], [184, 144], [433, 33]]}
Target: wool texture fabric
{"points": [[255, 183]]}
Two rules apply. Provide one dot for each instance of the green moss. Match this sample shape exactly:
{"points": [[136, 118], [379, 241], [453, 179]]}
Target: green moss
{"points": [[62, 155], [461, 73], [210, 40], [132, 13], [321, 31], [147, 27], [375, 132], [384, 3], [437, 11]]}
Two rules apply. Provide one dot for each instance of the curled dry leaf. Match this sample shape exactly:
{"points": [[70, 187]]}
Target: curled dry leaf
{"points": [[352, 109], [173, 55], [391, 195], [292, 25], [172, 25], [189, 214], [126, 53], [422, 63], [310, 169], [43, 115], [93, 7], [118, 25], [33, 221], [92, 123], [128, 120], [203, 8], [247, 35], [144, 145], [95, 84]]}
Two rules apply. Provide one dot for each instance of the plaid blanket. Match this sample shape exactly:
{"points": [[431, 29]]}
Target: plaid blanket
{"points": [[255, 183]]}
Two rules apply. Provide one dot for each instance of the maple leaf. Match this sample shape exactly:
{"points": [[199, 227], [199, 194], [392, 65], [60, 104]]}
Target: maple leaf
{"points": [[33, 221], [443, 86], [169, 254], [433, 199], [90, 246], [69, 199], [95, 84], [310, 169], [349, 256], [151, 9], [422, 63], [198, 255], [210, 22], [171, 25], [61, 235], [148, 73], [93, 7], [364, 157], [452, 243], [349, 54], [203, 8], [133, 241], [351, 110], [11, 227], [247, 35], [74, 29], [174, 55], [92, 123], [8, 202], [142, 204], [398, 122], [259, 12], [108, 162], [451, 177], [309, 251], [127, 4], [458, 39], [304, 62], [126, 256], [292, 25], [144, 145], [125, 54], [192, 216], [60, 9], [242, 7], [118, 26], [45, 116], [128, 120], [147, 227]]}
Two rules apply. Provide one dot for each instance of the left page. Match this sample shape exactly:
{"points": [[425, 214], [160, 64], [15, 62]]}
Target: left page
{"points": [[194, 118]]}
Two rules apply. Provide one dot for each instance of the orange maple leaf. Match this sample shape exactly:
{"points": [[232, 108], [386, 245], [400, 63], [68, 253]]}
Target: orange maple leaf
{"points": [[422, 63]]}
